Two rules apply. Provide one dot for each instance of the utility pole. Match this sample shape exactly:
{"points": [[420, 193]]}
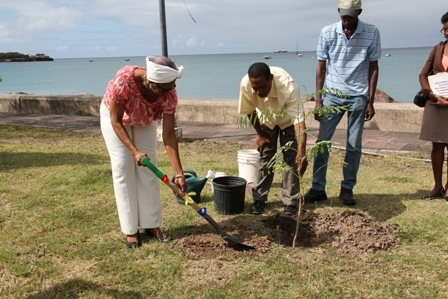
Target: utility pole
{"points": [[163, 27]]}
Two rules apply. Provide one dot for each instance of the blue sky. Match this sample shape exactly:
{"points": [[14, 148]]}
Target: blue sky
{"points": [[116, 28]]}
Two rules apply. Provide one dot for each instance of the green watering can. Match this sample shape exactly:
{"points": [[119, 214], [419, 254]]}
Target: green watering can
{"points": [[194, 184]]}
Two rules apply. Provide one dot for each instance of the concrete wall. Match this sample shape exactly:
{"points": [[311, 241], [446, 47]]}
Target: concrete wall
{"points": [[389, 116], [47, 104]]}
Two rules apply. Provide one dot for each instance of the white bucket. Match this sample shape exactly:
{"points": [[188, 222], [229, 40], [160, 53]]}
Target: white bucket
{"points": [[248, 161]]}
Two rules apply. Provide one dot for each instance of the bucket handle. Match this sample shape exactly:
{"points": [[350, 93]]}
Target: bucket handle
{"points": [[252, 163]]}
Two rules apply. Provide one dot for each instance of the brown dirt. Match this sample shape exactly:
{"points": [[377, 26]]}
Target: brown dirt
{"points": [[349, 232]]}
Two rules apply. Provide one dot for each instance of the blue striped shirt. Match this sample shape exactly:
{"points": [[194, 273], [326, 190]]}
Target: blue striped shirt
{"points": [[348, 60]]}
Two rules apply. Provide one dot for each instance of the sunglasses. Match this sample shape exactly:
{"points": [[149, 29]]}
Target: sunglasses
{"points": [[165, 89]]}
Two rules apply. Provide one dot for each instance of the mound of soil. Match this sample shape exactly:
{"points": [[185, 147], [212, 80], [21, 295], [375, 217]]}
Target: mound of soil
{"points": [[349, 232]]}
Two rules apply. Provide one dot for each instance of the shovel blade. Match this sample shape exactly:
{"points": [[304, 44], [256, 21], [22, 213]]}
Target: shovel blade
{"points": [[232, 240], [235, 242]]}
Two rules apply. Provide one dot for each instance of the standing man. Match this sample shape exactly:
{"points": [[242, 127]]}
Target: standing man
{"points": [[348, 54], [271, 100]]}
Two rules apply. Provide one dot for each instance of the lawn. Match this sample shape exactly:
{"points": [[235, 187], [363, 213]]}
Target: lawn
{"points": [[60, 236]]}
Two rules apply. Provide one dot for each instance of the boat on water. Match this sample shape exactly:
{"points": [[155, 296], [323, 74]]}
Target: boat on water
{"points": [[298, 53], [267, 57], [281, 51], [91, 60], [126, 60], [387, 55]]}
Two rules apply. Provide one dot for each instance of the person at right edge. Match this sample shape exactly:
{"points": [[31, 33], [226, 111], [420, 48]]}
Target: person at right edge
{"points": [[348, 53], [435, 115]]}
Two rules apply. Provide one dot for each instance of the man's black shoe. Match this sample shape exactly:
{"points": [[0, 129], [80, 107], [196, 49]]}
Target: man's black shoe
{"points": [[346, 196], [257, 208], [290, 210], [313, 195]]}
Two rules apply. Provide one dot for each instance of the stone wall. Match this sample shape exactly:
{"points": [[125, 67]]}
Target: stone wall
{"points": [[48, 104], [389, 116]]}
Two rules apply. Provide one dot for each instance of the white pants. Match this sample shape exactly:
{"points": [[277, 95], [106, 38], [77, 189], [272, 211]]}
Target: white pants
{"points": [[137, 189]]}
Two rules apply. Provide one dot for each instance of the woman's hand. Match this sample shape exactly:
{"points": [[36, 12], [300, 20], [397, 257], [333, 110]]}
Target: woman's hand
{"points": [[138, 156], [181, 184], [438, 100]]}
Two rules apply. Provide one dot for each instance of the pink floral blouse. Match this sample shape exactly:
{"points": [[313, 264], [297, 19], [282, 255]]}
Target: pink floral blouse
{"points": [[122, 89]]}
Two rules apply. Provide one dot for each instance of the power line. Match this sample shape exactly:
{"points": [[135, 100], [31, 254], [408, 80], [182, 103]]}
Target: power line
{"points": [[189, 11]]}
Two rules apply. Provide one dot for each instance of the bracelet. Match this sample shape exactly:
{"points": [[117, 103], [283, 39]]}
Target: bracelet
{"points": [[179, 176]]}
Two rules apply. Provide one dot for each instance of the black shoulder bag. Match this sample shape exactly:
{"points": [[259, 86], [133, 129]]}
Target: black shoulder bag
{"points": [[420, 99]]}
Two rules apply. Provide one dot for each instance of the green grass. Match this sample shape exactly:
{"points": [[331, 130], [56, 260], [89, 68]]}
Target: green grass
{"points": [[60, 236]]}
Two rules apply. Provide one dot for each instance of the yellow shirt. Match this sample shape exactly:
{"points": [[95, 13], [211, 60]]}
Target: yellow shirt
{"points": [[284, 96]]}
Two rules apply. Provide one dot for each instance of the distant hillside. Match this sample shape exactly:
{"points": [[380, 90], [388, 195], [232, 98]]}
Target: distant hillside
{"points": [[19, 57]]}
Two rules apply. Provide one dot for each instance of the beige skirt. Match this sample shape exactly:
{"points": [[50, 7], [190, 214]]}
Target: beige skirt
{"points": [[434, 124]]}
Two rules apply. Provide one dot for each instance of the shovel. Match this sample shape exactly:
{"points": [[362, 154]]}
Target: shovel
{"points": [[232, 240]]}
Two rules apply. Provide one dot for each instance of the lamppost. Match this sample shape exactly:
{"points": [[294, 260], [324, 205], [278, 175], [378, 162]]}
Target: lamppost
{"points": [[163, 27]]}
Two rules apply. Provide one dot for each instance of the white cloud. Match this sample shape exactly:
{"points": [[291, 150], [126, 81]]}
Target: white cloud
{"points": [[191, 42], [37, 16], [62, 48], [90, 27]]}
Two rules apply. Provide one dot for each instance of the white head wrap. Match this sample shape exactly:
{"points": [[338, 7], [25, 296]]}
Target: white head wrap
{"points": [[162, 74]]}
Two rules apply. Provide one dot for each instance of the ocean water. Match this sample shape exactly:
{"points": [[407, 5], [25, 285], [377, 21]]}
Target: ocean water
{"points": [[214, 76]]}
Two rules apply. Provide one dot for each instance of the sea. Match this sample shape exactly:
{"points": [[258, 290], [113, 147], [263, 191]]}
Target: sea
{"points": [[206, 77]]}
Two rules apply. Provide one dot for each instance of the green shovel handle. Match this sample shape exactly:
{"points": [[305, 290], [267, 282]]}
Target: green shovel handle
{"points": [[154, 169], [164, 178]]}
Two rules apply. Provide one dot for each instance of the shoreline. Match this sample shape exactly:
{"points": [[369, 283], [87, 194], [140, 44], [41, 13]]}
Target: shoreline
{"points": [[27, 59]]}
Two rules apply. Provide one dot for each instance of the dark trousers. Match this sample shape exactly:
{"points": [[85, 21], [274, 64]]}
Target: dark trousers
{"points": [[290, 179]]}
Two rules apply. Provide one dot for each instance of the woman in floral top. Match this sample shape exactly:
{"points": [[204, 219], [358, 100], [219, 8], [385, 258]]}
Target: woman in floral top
{"points": [[134, 100]]}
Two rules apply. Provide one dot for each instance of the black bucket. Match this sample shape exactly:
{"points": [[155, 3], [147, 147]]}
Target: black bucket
{"points": [[228, 194]]}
